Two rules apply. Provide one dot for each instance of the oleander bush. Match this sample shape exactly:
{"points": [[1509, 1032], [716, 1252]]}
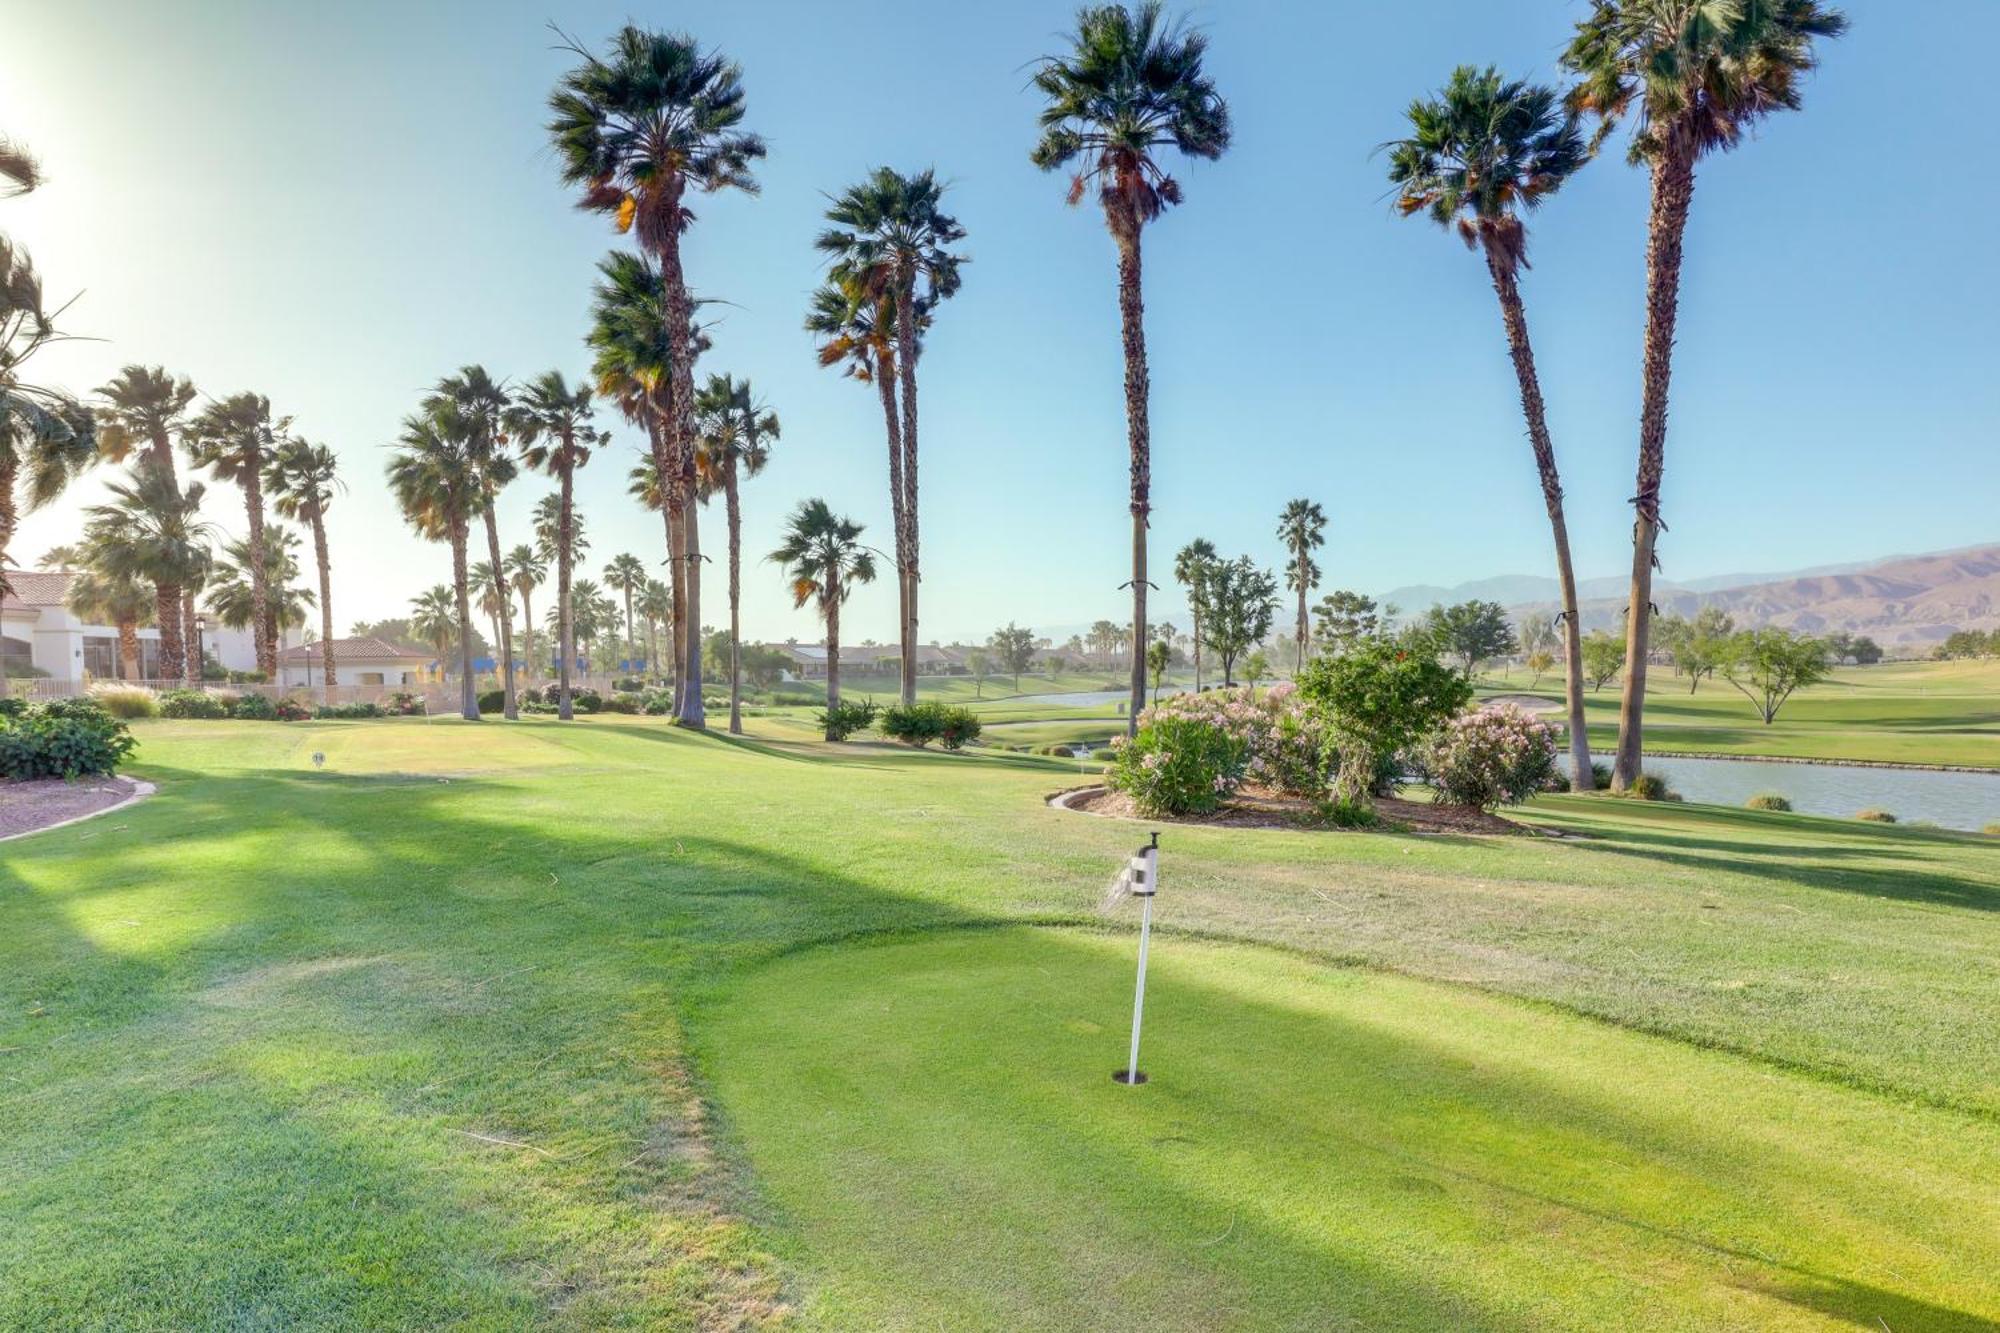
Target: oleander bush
{"points": [[1498, 755], [1179, 765], [196, 704], [63, 738], [1287, 745], [401, 703], [292, 710], [255, 708], [348, 712]]}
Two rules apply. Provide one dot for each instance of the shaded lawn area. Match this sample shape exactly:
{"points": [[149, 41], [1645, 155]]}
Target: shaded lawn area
{"points": [[425, 1037]]}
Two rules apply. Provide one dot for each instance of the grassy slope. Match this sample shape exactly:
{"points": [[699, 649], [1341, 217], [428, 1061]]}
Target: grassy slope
{"points": [[1904, 712], [282, 1002]]}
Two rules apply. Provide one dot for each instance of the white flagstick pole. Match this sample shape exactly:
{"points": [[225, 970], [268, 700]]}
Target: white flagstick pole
{"points": [[1149, 869]]}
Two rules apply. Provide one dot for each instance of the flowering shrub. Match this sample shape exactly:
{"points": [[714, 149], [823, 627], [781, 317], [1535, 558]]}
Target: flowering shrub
{"points": [[1491, 756], [288, 710], [1380, 698], [1286, 746], [1178, 765], [402, 703], [63, 738]]}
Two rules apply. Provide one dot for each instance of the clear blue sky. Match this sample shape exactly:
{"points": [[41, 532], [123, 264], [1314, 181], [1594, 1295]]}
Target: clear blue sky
{"points": [[335, 204]]}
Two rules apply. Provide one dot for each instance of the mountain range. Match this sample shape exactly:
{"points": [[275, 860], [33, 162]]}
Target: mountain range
{"points": [[1903, 601]]}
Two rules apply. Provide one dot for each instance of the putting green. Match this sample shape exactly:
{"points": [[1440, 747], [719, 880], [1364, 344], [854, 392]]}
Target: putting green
{"points": [[938, 1144]]}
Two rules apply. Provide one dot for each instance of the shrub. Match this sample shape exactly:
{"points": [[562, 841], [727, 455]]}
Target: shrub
{"points": [[12, 705], [628, 685], [657, 703], [192, 704], [1490, 756], [1105, 755], [126, 700], [1345, 814], [255, 708], [1992, 830], [538, 707], [1179, 766], [1875, 814], [76, 740], [1058, 751], [585, 700], [621, 703], [1768, 800], [920, 724], [345, 712], [845, 718], [293, 710], [1379, 699], [492, 701], [1647, 787], [402, 703]]}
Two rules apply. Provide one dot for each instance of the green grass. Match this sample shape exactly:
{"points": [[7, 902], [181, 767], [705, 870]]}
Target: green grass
{"points": [[1899, 712], [478, 1025]]}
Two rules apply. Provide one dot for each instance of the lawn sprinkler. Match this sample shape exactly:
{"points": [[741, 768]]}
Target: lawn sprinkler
{"points": [[1141, 879], [319, 759]]}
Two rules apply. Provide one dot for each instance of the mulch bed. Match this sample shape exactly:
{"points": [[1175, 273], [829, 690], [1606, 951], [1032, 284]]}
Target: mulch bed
{"points": [[27, 806], [1254, 807]]}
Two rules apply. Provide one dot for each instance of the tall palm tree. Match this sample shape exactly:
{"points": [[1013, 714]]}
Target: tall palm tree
{"points": [[303, 479], [230, 594], [890, 233], [1302, 528], [587, 616], [1480, 154], [1190, 570], [626, 575], [233, 438], [553, 422], [1697, 73], [46, 436], [636, 131], [152, 531], [489, 591], [439, 484], [737, 432], [482, 404], [527, 570], [1132, 84], [824, 558], [103, 597], [144, 409], [656, 608], [434, 619]]}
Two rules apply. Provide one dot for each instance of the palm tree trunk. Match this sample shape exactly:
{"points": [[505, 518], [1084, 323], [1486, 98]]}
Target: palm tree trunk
{"points": [[1673, 191], [167, 612], [681, 436], [528, 632], [263, 616], [696, 714], [565, 628], [128, 649], [9, 469], [318, 521], [885, 385], [631, 635], [468, 700], [1522, 351], [1300, 633], [191, 640], [735, 600], [832, 647], [1132, 321], [503, 614], [906, 359], [1196, 614]]}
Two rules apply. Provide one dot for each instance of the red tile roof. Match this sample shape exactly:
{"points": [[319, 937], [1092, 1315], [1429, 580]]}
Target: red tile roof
{"points": [[34, 588], [370, 649]]}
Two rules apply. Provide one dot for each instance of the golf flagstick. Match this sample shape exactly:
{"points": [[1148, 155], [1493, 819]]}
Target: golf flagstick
{"points": [[1143, 875]]}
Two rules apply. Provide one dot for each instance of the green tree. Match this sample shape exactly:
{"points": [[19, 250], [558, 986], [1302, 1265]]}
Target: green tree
{"points": [[1700, 645], [144, 410], [1240, 601], [1345, 618], [1768, 665], [151, 531], [482, 405], [526, 570], [1014, 648], [1190, 570], [1481, 153], [439, 485], [1474, 632], [229, 587], [1865, 651], [625, 576], [552, 421], [890, 233], [434, 618], [1159, 657], [1603, 657], [637, 131], [1131, 86], [737, 432], [978, 663], [102, 597], [1697, 75], [234, 439], [1302, 528], [1256, 668], [1377, 699], [824, 558], [302, 479]]}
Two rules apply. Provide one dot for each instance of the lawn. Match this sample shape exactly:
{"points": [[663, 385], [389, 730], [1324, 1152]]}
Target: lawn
{"points": [[609, 1024]]}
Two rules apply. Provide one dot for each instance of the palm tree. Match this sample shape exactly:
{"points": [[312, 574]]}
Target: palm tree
{"points": [[1302, 528], [587, 616], [145, 409], [233, 439], [1698, 76], [103, 597], [824, 558], [636, 131], [527, 569], [434, 619], [489, 589], [737, 431], [482, 405], [152, 531], [656, 608], [553, 422], [1481, 153], [1132, 84], [302, 479], [231, 594], [46, 436], [439, 484], [1190, 566], [627, 576], [890, 233]]}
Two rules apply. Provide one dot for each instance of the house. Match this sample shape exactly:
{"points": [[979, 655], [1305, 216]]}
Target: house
{"points": [[40, 636], [808, 660], [365, 661]]}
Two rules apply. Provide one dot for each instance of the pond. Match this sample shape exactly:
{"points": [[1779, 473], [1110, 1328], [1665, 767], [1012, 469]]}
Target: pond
{"points": [[1953, 800]]}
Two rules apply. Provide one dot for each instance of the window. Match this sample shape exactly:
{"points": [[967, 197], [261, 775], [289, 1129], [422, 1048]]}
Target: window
{"points": [[149, 659], [370, 678], [17, 656], [100, 656]]}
